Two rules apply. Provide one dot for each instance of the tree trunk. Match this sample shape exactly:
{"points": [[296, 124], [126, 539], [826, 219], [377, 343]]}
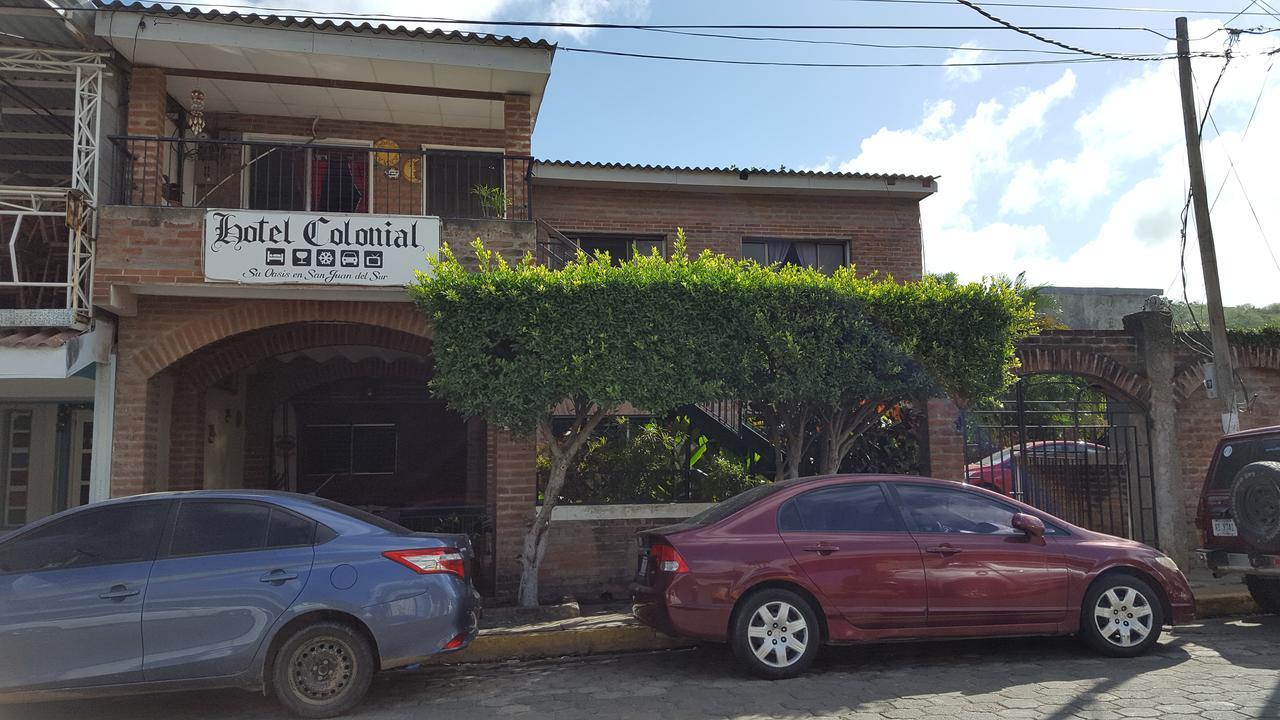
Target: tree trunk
{"points": [[564, 452], [535, 539]]}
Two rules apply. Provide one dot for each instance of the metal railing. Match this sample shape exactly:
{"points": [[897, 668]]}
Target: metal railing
{"points": [[47, 255], [555, 249], [320, 177]]}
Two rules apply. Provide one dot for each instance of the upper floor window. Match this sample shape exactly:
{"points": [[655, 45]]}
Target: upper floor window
{"points": [[620, 247], [316, 179], [824, 255]]}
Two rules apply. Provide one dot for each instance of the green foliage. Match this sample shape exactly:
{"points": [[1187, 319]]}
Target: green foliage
{"points": [[493, 199], [635, 461], [512, 341], [1239, 317]]}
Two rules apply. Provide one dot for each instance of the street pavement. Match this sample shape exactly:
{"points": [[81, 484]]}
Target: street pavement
{"points": [[1217, 670]]}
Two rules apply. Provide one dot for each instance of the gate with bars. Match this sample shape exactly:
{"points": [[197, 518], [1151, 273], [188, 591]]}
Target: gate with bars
{"points": [[1061, 445]]}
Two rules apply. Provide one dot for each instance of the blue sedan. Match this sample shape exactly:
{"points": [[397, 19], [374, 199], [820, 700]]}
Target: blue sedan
{"points": [[291, 594]]}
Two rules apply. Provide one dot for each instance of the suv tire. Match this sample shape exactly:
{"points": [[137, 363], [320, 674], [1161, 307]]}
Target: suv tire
{"points": [[1121, 616], [322, 670], [1255, 505], [765, 623], [1265, 592]]}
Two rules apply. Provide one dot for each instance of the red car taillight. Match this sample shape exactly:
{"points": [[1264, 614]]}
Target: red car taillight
{"points": [[666, 559], [428, 561]]}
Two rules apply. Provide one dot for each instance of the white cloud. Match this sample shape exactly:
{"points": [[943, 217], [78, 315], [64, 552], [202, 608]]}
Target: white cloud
{"points": [[957, 69], [1122, 181]]}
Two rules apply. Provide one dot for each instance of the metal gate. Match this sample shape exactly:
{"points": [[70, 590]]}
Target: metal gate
{"points": [[1061, 445]]}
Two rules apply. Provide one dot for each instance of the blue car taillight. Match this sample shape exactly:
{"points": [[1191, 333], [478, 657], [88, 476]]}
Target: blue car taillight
{"points": [[429, 561]]}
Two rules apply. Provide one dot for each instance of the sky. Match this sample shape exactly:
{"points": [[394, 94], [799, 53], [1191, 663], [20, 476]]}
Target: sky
{"points": [[1075, 174]]}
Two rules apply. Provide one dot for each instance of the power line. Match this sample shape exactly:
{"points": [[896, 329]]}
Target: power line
{"points": [[1052, 6], [772, 63], [1057, 43], [849, 43], [1231, 165]]}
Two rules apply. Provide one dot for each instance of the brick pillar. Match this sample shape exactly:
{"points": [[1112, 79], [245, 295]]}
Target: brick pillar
{"points": [[514, 498], [518, 121], [188, 436], [140, 441], [946, 440], [147, 101]]}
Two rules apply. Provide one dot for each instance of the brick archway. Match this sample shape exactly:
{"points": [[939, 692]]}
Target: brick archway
{"points": [[171, 346], [1120, 380], [236, 353], [168, 369], [1192, 377]]}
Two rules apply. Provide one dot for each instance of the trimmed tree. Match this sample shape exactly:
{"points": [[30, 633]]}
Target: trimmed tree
{"points": [[838, 352], [515, 343]]}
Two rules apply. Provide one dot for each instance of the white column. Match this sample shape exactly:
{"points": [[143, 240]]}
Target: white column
{"points": [[104, 406]]}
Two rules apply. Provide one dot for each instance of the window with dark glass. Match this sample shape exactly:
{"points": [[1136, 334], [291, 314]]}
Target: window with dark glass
{"points": [[349, 449], [620, 247], [456, 181], [315, 179], [941, 510], [839, 509], [824, 255], [102, 536], [205, 527]]}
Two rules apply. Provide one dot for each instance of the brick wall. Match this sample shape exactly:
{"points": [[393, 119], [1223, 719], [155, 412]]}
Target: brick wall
{"points": [[587, 558], [163, 245], [883, 234], [946, 440]]}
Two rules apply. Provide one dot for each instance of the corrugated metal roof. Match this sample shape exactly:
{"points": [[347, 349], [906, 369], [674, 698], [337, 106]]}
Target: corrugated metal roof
{"points": [[324, 24], [737, 170], [36, 337], [41, 26]]}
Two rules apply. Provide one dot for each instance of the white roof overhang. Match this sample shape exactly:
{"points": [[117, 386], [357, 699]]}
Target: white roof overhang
{"points": [[331, 73]]}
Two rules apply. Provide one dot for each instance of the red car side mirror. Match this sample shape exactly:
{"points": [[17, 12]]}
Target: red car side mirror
{"points": [[1029, 524]]}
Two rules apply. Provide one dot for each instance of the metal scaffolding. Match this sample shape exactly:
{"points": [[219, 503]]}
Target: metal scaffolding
{"points": [[27, 206]]}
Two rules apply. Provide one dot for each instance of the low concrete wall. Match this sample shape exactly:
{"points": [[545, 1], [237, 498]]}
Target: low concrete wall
{"points": [[593, 547]]}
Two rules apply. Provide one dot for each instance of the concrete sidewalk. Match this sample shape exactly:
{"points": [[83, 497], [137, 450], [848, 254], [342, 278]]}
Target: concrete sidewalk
{"points": [[611, 629]]}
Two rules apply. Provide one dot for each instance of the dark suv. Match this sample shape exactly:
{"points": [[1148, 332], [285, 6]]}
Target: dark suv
{"points": [[1240, 512]]}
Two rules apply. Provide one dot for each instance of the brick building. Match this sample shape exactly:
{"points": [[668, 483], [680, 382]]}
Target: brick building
{"points": [[269, 184]]}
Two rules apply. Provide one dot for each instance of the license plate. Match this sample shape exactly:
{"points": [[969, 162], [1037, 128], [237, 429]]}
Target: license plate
{"points": [[1224, 528]]}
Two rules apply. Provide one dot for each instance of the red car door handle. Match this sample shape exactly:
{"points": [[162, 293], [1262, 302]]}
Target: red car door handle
{"points": [[943, 550], [821, 548]]}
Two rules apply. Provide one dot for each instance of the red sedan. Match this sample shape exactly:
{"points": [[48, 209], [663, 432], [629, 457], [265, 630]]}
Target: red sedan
{"points": [[781, 569]]}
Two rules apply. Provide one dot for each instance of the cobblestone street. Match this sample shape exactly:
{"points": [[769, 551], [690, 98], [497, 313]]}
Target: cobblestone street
{"points": [[1220, 670]]}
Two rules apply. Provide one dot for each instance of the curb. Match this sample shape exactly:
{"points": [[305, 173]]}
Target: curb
{"points": [[1225, 605], [496, 647]]}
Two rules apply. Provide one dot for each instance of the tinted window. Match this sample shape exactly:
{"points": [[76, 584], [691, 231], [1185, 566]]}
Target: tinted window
{"points": [[288, 530], [845, 508], [941, 510], [118, 534], [219, 527], [1233, 455]]}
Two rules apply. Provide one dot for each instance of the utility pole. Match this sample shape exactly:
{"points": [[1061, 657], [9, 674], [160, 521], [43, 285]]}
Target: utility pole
{"points": [[1223, 377]]}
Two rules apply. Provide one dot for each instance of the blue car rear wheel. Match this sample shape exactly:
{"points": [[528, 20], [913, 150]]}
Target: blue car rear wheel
{"points": [[323, 670]]}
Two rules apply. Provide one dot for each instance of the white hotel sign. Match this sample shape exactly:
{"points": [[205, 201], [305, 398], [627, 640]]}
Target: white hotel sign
{"points": [[256, 246]]}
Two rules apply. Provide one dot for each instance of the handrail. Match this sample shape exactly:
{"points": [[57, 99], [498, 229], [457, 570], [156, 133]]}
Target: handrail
{"points": [[314, 146]]}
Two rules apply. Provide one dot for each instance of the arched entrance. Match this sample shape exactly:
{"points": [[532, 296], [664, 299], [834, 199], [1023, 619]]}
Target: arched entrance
{"points": [[1071, 445], [331, 407]]}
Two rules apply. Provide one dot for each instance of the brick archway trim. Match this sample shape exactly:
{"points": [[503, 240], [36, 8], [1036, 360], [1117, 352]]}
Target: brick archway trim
{"points": [[1096, 366], [246, 317], [1191, 377], [207, 366]]}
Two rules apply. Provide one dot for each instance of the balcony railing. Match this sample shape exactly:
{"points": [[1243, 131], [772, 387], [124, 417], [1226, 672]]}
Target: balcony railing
{"points": [[320, 177]]}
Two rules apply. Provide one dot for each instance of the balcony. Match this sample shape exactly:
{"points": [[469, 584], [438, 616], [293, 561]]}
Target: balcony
{"points": [[321, 178], [46, 257]]}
